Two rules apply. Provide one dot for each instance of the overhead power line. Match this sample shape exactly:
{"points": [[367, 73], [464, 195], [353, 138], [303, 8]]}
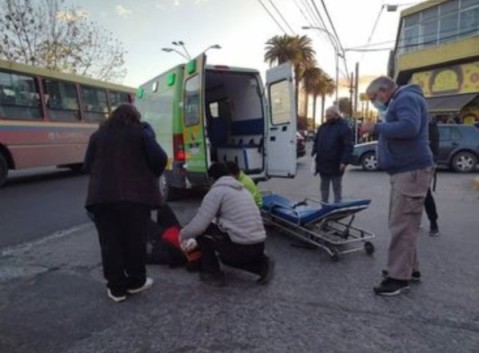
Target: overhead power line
{"points": [[281, 16], [272, 17]]}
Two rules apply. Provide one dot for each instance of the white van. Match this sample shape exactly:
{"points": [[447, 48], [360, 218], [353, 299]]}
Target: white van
{"points": [[205, 114]]}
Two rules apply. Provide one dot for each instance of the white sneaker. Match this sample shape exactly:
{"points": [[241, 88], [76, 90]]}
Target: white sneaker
{"points": [[148, 283], [115, 298]]}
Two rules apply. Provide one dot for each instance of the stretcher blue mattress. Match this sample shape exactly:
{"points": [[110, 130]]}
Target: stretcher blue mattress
{"points": [[302, 213]]}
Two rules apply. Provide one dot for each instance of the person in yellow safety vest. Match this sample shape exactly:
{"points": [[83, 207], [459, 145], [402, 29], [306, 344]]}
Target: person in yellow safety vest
{"points": [[248, 183]]}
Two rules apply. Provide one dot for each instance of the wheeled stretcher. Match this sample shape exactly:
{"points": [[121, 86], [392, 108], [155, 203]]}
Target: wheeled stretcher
{"points": [[327, 226]]}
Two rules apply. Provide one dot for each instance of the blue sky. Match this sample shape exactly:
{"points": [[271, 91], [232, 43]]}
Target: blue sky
{"points": [[241, 27]]}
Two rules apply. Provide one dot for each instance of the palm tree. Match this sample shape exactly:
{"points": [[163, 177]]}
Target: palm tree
{"points": [[327, 89], [317, 83], [297, 49]]}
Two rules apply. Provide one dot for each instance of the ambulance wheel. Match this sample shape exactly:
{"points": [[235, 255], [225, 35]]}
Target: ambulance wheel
{"points": [[369, 248]]}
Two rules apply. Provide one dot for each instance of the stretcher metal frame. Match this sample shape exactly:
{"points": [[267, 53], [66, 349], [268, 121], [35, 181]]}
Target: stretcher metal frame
{"points": [[333, 233]]}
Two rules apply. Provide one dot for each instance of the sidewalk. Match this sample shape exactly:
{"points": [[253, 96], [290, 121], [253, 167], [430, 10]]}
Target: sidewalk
{"points": [[53, 300]]}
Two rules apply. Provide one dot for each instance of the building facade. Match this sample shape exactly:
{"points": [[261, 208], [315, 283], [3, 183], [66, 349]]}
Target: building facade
{"points": [[437, 47]]}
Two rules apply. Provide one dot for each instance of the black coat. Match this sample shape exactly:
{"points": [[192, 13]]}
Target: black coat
{"points": [[333, 146], [124, 164], [434, 139]]}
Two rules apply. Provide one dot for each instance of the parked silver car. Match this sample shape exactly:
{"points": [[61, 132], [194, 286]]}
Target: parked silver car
{"points": [[458, 149]]}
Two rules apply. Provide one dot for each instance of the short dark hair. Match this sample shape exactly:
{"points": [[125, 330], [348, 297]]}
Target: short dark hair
{"points": [[233, 168], [217, 170]]}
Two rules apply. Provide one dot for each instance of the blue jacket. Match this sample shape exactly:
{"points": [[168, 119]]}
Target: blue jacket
{"points": [[403, 143], [333, 145]]}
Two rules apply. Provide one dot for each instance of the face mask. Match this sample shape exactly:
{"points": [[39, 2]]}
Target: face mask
{"points": [[379, 105]]}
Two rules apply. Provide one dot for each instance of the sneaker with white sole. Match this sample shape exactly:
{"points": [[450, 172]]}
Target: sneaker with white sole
{"points": [[116, 297], [390, 287], [415, 276], [148, 283]]}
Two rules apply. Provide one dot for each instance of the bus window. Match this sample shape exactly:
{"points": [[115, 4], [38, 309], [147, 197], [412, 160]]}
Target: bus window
{"points": [[19, 97], [116, 98], [95, 104], [61, 100]]}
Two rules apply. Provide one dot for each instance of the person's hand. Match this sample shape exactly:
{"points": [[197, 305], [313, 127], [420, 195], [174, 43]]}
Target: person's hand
{"points": [[367, 127], [342, 168], [188, 244]]}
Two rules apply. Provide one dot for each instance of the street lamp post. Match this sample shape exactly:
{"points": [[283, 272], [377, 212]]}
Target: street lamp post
{"points": [[337, 54], [169, 50], [182, 44], [214, 46]]}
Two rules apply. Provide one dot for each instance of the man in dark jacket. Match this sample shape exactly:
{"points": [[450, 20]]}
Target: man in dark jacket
{"points": [[124, 161], [429, 203], [332, 150], [403, 152]]}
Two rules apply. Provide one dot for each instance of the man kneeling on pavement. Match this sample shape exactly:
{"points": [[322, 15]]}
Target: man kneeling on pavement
{"points": [[229, 223]]}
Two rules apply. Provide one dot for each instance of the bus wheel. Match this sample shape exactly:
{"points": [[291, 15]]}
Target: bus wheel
{"points": [[3, 169], [168, 192]]}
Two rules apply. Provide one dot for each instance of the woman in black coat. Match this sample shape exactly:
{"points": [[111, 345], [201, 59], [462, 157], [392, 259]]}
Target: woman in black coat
{"points": [[124, 161]]}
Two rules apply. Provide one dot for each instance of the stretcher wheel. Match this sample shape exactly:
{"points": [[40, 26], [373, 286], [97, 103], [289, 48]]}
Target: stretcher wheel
{"points": [[369, 247], [335, 256]]}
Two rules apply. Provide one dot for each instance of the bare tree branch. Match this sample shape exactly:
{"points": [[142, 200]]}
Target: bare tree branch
{"points": [[58, 36]]}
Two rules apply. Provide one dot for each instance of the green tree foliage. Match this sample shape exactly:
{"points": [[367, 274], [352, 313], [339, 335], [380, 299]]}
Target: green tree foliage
{"points": [[317, 83], [58, 36], [344, 106]]}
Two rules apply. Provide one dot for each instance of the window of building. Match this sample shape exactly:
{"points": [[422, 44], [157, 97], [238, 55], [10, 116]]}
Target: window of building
{"points": [[440, 24], [61, 100], [116, 98], [19, 97], [95, 103]]}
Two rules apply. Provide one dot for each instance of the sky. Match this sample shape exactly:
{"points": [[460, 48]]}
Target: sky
{"points": [[241, 28]]}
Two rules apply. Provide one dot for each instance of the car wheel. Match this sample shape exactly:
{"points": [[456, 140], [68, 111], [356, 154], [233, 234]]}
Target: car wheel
{"points": [[464, 162], [369, 161], [3, 169]]}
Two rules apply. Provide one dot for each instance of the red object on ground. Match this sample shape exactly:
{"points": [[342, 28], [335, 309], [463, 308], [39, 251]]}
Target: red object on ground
{"points": [[172, 236]]}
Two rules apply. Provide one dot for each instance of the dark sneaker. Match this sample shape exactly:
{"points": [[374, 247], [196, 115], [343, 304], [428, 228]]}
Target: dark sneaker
{"points": [[116, 297], [434, 232], [148, 283], [415, 276], [267, 271], [213, 279], [390, 287]]}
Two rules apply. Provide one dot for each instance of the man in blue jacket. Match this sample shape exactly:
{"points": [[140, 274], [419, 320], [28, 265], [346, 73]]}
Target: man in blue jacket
{"points": [[404, 153]]}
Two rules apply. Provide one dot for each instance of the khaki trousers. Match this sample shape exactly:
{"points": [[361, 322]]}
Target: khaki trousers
{"points": [[408, 191]]}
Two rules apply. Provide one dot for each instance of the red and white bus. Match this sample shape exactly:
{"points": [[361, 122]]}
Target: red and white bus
{"points": [[47, 117]]}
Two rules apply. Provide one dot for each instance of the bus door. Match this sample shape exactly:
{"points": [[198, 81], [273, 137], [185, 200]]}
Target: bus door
{"points": [[281, 125], [193, 114]]}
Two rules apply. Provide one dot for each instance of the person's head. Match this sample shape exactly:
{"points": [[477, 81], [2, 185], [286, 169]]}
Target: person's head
{"points": [[233, 169], [216, 171], [332, 113], [380, 90], [125, 114]]}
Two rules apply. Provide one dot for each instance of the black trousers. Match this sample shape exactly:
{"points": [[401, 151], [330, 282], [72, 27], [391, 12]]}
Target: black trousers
{"points": [[122, 229], [248, 257], [430, 207]]}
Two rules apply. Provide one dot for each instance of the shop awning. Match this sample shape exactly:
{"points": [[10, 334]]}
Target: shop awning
{"points": [[449, 103]]}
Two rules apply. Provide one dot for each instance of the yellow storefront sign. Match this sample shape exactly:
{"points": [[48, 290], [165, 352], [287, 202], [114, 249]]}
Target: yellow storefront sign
{"points": [[454, 79]]}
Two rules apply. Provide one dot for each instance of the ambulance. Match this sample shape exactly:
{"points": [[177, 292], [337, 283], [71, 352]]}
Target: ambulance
{"points": [[204, 114]]}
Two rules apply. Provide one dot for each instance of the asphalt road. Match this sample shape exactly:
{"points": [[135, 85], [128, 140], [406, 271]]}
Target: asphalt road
{"points": [[53, 300]]}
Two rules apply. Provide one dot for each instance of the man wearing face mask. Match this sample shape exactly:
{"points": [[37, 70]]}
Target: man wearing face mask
{"points": [[404, 153]]}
